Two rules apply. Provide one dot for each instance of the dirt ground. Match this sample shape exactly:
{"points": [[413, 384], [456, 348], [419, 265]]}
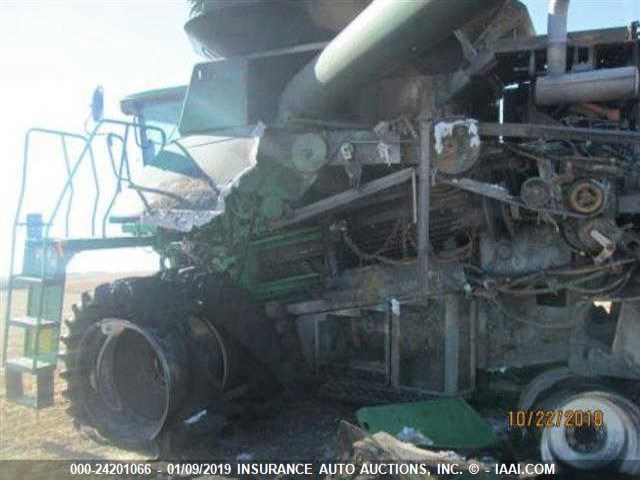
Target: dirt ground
{"points": [[281, 429]]}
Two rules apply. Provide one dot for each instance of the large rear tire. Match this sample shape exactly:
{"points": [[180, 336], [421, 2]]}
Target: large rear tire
{"points": [[147, 355]]}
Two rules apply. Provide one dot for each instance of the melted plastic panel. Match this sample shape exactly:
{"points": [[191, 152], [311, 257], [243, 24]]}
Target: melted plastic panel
{"points": [[182, 202]]}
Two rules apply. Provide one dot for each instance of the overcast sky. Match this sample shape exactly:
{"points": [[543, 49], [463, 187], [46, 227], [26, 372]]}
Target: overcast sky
{"points": [[53, 53]]}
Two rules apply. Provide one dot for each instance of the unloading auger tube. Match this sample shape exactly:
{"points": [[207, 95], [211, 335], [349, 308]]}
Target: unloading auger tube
{"points": [[385, 33], [148, 355]]}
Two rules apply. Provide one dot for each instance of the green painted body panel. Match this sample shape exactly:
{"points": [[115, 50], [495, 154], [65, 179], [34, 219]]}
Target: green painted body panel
{"points": [[44, 301], [285, 285], [131, 104], [51, 303], [216, 97], [447, 422], [180, 162], [47, 349], [286, 238]]}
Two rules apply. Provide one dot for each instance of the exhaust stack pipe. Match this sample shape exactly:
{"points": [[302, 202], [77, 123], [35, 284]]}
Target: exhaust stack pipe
{"points": [[557, 36], [559, 87]]}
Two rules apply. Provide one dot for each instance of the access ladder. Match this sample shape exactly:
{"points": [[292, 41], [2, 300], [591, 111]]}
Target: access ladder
{"points": [[30, 341], [43, 279]]}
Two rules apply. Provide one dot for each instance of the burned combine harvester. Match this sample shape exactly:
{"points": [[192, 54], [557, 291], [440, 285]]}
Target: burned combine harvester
{"points": [[393, 197]]}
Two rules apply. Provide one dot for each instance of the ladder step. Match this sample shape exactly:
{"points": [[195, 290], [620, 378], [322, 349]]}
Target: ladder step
{"points": [[44, 391], [32, 322], [27, 280], [26, 364], [25, 400]]}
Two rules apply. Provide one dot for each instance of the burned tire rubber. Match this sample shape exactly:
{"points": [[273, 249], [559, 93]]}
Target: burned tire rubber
{"points": [[148, 355]]}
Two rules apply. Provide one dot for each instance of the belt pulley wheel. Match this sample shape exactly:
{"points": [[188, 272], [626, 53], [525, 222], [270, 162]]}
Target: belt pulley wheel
{"points": [[586, 196], [458, 153], [536, 192]]}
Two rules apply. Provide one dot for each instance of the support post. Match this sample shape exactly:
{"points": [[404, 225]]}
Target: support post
{"points": [[424, 193], [394, 318], [451, 344]]}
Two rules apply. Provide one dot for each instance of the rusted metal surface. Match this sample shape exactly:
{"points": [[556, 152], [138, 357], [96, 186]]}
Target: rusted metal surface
{"points": [[552, 132], [627, 340], [584, 38], [424, 199], [604, 85], [344, 199]]}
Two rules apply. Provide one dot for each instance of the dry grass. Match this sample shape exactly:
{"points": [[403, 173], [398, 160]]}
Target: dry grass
{"points": [[49, 433]]}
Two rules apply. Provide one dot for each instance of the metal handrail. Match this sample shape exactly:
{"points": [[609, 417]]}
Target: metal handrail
{"points": [[88, 149], [16, 223], [118, 172], [71, 171], [67, 165]]}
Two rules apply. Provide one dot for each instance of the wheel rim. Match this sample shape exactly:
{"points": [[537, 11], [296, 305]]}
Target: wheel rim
{"points": [[133, 380], [614, 445]]}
